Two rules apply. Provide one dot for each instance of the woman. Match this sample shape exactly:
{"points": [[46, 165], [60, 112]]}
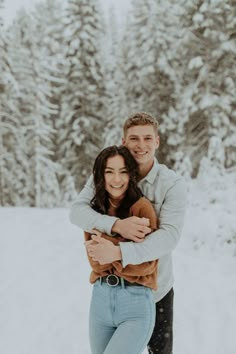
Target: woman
{"points": [[122, 310]]}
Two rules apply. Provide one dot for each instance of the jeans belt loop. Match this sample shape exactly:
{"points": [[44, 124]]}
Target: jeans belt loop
{"points": [[122, 282]]}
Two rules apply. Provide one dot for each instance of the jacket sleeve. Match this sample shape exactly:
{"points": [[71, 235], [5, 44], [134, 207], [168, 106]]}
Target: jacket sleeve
{"points": [[146, 210], [82, 215], [165, 239]]}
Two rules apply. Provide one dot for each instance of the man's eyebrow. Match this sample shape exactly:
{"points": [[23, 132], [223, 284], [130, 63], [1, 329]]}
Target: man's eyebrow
{"points": [[133, 135]]}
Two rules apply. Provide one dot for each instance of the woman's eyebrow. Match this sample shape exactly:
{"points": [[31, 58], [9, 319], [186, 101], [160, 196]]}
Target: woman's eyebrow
{"points": [[111, 168]]}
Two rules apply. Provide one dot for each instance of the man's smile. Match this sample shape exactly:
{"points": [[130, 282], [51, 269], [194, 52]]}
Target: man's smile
{"points": [[140, 152]]}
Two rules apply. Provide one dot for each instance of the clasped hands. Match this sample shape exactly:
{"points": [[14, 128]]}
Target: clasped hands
{"points": [[104, 251]]}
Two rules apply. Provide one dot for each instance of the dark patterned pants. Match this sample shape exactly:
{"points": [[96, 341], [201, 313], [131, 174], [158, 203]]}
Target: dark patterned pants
{"points": [[162, 337]]}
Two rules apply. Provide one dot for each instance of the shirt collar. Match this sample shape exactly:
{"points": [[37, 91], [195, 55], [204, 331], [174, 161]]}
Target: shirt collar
{"points": [[150, 177]]}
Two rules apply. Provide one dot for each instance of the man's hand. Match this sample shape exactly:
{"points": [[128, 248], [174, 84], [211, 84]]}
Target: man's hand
{"points": [[103, 251], [132, 228]]}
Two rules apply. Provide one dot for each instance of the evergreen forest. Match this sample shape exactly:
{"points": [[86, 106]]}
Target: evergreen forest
{"points": [[70, 76]]}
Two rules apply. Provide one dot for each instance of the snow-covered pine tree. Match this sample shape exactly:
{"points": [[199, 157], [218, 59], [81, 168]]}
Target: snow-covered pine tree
{"points": [[49, 22], [117, 108], [83, 113], [151, 35], [31, 71], [218, 30], [205, 59], [9, 127], [2, 98], [18, 166]]}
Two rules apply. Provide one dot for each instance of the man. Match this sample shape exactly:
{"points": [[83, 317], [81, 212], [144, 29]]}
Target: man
{"points": [[166, 190]]}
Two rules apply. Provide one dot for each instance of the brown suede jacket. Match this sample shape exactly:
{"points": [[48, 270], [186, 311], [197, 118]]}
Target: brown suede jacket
{"points": [[145, 273]]}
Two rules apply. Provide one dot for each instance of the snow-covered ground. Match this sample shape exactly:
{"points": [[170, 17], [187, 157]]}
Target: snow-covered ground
{"points": [[45, 293]]}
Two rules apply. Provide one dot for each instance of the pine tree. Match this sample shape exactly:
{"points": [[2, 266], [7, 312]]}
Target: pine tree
{"points": [[8, 125], [206, 104], [2, 99], [34, 110], [49, 23], [117, 108], [83, 112], [150, 40]]}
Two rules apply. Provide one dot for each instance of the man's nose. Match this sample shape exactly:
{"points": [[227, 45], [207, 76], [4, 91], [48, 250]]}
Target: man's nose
{"points": [[141, 143]]}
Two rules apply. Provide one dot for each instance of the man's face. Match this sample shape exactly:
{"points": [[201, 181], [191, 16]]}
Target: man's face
{"points": [[142, 142]]}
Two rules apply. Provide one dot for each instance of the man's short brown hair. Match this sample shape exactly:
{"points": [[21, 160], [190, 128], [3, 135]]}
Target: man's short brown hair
{"points": [[140, 118]]}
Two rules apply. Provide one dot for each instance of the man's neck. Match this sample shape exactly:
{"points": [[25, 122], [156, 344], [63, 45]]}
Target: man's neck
{"points": [[145, 169]]}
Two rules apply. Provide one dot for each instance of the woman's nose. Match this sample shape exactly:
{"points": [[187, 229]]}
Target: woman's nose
{"points": [[117, 177]]}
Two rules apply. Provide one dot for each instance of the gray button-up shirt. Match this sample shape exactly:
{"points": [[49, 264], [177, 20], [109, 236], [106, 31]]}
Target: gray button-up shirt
{"points": [[166, 191]]}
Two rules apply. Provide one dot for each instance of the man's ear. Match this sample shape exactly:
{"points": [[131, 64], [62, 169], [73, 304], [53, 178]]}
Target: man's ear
{"points": [[158, 141], [123, 141]]}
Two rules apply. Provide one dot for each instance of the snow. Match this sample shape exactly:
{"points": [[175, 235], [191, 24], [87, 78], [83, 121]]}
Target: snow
{"points": [[45, 292], [12, 6], [195, 63]]}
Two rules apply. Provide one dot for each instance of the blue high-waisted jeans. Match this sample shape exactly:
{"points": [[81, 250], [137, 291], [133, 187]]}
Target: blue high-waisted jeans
{"points": [[121, 319]]}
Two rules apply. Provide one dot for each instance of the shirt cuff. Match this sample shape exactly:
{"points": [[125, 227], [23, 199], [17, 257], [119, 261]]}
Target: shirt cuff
{"points": [[107, 223]]}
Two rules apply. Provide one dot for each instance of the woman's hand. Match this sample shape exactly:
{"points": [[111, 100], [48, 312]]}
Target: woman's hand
{"points": [[102, 250], [132, 228], [96, 232]]}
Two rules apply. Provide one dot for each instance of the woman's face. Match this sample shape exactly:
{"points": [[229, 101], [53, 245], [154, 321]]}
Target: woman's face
{"points": [[116, 177]]}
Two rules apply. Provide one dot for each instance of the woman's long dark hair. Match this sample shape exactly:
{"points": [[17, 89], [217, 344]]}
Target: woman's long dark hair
{"points": [[100, 200]]}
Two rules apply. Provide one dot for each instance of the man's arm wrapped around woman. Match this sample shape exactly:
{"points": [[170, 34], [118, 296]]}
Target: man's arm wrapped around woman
{"points": [[143, 273]]}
